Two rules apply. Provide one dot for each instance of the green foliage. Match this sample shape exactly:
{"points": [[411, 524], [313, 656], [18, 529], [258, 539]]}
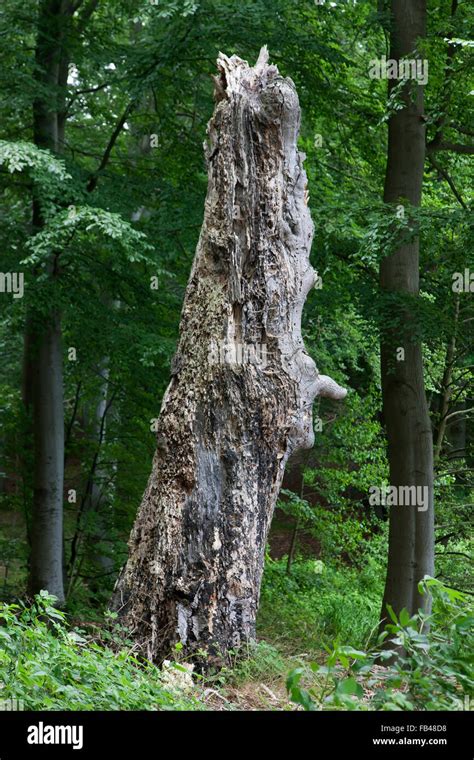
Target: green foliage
{"points": [[429, 667], [295, 506], [21, 156], [318, 603], [50, 666], [87, 226], [142, 219]]}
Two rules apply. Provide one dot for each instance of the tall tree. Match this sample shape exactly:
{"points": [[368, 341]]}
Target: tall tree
{"points": [[60, 26], [43, 363], [409, 434]]}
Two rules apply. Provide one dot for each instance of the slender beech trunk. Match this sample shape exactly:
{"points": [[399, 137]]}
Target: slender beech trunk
{"points": [[46, 565], [410, 447], [226, 429], [43, 360], [446, 386], [95, 501], [101, 491], [294, 535], [292, 549], [456, 429]]}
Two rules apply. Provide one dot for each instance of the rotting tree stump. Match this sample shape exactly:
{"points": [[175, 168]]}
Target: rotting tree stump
{"points": [[242, 387]]}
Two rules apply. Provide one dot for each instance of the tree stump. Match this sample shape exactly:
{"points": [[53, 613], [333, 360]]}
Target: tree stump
{"points": [[242, 386]]}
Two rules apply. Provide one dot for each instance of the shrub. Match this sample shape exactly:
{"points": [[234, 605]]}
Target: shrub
{"points": [[48, 666], [318, 603], [429, 669]]}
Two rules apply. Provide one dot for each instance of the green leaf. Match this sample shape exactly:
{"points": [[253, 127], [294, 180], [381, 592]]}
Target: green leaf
{"points": [[404, 617], [350, 686], [392, 614]]}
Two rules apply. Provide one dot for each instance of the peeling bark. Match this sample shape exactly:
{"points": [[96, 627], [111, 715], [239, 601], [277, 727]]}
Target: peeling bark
{"points": [[227, 426]]}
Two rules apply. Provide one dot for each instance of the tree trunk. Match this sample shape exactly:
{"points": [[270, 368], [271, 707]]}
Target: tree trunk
{"points": [[43, 361], [46, 565], [292, 550], [456, 430], [95, 500], [240, 398], [100, 495], [410, 447], [446, 386]]}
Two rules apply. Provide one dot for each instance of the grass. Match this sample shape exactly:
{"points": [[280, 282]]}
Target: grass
{"points": [[317, 603]]}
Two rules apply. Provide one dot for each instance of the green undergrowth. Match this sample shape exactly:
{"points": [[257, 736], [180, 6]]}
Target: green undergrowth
{"points": [[420, 662], [46, 665], [318, 603]]}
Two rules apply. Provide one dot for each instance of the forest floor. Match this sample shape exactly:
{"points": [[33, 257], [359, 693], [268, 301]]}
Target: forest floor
{"points": [[250, 695], [301, 614]]}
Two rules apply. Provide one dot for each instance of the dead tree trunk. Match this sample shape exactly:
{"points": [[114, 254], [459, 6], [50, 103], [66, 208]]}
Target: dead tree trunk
{"points": [[242, 388]]}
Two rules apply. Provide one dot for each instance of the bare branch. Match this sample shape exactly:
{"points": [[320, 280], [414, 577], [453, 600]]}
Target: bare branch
{"points": [[459, 411], [448, 179], [445, 145], [87, 90], [113, 139]]}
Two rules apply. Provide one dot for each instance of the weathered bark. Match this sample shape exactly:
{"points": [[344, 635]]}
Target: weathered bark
{"points": [[226, 430], [410, 447]]}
